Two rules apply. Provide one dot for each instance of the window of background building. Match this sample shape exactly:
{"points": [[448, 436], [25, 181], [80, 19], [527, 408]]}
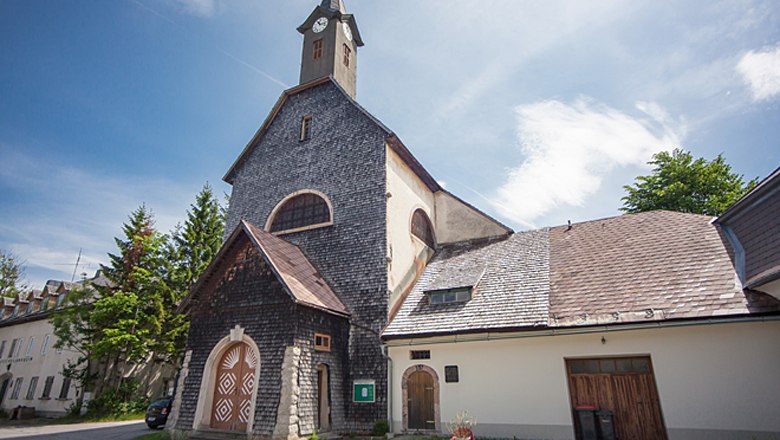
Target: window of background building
{"points": [[32, 387], [30, 346], [47, 387], [17, 388], [65, 388], [45, 344]]}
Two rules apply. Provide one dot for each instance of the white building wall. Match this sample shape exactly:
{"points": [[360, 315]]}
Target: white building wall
{"points": [[35, 364], [406, 255], [717, 381]]}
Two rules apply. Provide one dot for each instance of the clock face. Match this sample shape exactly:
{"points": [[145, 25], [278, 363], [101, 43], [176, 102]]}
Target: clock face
{"points": [[320, 25], [347, 31]]}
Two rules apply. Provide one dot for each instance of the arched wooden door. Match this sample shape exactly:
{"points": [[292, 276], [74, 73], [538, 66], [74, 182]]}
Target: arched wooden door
{"points": [[420, 400], [233, 388]]}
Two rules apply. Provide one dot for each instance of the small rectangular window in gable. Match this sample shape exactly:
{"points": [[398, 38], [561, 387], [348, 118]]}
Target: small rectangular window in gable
{"points": [[420, 354], [306, 128], [321, 342], [445, 296], [317, 49]]}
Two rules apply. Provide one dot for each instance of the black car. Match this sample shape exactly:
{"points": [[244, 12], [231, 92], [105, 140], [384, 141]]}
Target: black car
{"points": [[158, 411]]}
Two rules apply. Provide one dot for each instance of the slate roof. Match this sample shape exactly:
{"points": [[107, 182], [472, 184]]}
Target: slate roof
{"points": [[300, 278], [293, 268], [645, 267], [512, 289], [650, 266]]}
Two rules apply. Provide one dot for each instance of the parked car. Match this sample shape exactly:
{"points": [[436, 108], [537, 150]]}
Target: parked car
{"points": [[157, 413]]}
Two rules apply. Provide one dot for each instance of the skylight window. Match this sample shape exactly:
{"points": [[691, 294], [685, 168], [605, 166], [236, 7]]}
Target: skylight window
{"points": [[447, 296]]}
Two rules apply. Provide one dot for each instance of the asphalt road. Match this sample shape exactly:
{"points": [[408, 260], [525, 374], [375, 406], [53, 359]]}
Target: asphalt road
{"points": [[81, 431]]}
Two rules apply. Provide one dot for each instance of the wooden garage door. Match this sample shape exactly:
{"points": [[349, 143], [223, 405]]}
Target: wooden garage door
{"points": [[420, 395], [623, 385], [233, 388]]}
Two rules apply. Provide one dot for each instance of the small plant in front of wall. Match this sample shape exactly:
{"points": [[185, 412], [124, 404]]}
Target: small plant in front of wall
{"points": [[462, 426], [313, 435]]}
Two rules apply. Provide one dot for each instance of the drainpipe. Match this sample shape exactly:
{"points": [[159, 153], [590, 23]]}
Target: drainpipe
{"points": [[386, 354]]}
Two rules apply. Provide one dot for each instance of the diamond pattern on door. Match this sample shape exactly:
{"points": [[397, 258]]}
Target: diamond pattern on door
{"points": [[223, 410], [233, 399], [248, 383], [243, 412], [227, 383]]}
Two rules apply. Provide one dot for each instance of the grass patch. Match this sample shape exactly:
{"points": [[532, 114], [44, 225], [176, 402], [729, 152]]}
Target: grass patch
{"points": [[154, 436]]}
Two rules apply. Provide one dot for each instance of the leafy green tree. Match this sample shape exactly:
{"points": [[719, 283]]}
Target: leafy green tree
{"points": [[11, 275], [680, 183]]}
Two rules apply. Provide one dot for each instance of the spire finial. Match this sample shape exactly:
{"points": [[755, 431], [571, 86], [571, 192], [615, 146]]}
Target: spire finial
{"points": [[336, 5]]}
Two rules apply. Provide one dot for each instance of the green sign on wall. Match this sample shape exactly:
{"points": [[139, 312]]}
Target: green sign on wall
{"points": [[363, 391]]}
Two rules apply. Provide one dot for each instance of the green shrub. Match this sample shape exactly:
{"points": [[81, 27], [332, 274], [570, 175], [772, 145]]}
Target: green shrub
{"points": [[380, 428], [124, 399]]}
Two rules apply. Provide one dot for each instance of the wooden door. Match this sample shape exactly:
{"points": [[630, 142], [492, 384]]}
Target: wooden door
{"points": [[420, 395], [233, 388], [323, 399], [625, 386]]}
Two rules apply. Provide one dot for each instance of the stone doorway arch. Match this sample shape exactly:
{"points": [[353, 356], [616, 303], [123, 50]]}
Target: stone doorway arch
{"points": [[414, 385], [232, 369]]}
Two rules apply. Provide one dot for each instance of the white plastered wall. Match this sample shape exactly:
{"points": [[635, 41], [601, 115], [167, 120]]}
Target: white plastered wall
{"points": [[714, 381], [457, 221], [38, 365], [406, 255]]}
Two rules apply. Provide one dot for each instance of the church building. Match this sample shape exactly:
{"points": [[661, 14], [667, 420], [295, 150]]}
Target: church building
{"points": [[353, 289]]}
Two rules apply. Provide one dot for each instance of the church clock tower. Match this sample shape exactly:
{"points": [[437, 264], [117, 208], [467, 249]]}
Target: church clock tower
{"points": [[330, 42]]}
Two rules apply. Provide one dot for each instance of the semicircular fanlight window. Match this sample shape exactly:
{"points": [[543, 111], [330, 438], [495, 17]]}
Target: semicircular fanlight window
{"points": [[300, 211]]}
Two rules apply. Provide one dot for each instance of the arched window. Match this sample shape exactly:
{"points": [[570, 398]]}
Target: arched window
{"points": [[299, 211], [421, 228]]}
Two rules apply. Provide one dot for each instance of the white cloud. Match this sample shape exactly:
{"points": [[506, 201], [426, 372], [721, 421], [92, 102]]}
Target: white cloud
{"points": [[75, 209], [202, 8], [761, 71], [568, 149]]}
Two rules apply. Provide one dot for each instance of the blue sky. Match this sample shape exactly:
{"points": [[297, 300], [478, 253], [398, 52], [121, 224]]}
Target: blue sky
{"points": [[537, 112]]}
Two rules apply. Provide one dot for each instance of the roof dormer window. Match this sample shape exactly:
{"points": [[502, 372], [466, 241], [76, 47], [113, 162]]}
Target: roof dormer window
{"points": [[458, 295]]}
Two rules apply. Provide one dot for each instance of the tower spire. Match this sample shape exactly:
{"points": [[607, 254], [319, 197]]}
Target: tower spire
{"points": [[334, 5], [330, 42]]}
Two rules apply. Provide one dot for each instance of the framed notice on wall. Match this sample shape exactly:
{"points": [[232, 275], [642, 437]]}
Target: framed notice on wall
{"points": [[363, 391]]}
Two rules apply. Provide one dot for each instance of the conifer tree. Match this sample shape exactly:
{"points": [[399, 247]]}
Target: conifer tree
{"points": [[190, 250], [130, 312]]}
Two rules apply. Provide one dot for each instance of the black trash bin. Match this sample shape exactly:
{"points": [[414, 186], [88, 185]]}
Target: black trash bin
{"points": [[586, 419], [606, 425]]}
